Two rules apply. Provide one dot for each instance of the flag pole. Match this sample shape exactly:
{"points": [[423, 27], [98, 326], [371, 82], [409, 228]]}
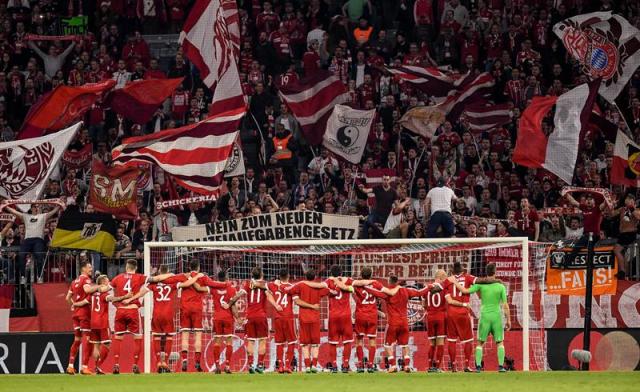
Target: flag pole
{"points": [[262, 139]]}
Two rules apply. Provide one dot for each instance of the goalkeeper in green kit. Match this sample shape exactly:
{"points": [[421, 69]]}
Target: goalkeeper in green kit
{"points": [[493, 298]]}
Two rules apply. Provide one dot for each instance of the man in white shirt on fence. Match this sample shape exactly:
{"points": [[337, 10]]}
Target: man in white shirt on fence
{"points": [[439, 201]]}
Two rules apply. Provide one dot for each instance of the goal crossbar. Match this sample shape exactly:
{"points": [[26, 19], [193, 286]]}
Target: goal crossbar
{"points": [[522, 241]]}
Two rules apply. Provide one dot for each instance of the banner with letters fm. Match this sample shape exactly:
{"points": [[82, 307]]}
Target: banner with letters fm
{"points": [[284, 225]]}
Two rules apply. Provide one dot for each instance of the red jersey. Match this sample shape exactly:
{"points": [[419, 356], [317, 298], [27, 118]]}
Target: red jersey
{"points": [[99, 310], [592, 218], [77, 294], [282, 298], [465, 280], [192, 299], [397, 305], [366, 304], [527, 223], [311, 296], [126, 283], [256, 301], [339, 300], [435, 301], [164, 296], [223, 296]]}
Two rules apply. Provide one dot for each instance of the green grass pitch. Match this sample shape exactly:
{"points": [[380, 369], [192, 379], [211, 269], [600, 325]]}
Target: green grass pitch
{"points": [[459, 382]]}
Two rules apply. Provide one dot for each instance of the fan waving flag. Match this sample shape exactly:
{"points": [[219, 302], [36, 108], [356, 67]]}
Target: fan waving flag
{"points": [[61, 107], [471, 90], [347, 132], [139, 100], [209, 39], [606, 45], [557, 151], [626, 162], [195, 155], [311, 101]]}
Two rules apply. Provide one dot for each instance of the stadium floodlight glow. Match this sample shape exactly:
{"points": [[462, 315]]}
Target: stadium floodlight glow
{"points": [[521, 262]]}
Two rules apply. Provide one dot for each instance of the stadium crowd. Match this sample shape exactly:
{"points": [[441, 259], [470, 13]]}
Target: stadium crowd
{"points": [[286, 40]]}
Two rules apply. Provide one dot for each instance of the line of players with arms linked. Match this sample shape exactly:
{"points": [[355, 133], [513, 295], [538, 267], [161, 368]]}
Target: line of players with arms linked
{"points": [[446, 303]]}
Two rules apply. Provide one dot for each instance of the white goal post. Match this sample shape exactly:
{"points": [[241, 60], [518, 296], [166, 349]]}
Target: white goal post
{"points": [[398, 245]]}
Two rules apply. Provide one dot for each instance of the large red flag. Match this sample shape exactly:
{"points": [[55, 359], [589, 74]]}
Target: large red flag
{"points": [[114, 190], [139, 100], [62, 107]]}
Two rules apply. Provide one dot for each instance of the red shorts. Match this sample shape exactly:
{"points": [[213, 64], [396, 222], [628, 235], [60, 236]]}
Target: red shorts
{"points": [[437, 325], [310, 333], [223, 327], [459, 326], [127, 320], [257, 328], [190, 319], [162, 326], [81, 322], [397, 334], [367, 327], [340, 328], [285, 330], [101, 335]]}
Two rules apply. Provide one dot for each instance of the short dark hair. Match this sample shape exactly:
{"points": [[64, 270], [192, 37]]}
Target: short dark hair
{"points": [[457, 267], [194, 265], [335, 270], [366, 273], [490, 269], [310, 274], [132, 264], [393, 279], [84, 263], [284, 273], [222, 275], [256, 273], [163, 269]]}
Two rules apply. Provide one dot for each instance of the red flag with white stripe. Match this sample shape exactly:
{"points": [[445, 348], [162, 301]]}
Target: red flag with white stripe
{"points": [[471, 90], [428, 79], [195, 155], [484, 116], [210, 39], [311, 101], [557, 150]]}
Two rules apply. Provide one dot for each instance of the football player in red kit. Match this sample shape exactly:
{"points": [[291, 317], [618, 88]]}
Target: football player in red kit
{"points": [[164, 304], [224, 314], [340, 325], [78, 297], [459, 322], [436, 313], [100, 336], [127, 318], [398, 323], [366, 326], [257, 327], [308, 299]]}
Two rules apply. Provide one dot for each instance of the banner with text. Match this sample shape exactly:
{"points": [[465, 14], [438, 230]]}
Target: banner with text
{"points": [[566, 271], [284, 225], [113, 190]]}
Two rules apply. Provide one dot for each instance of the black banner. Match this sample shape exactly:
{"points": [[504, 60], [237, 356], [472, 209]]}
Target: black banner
{"points": [[564, 258], [34, 353]]}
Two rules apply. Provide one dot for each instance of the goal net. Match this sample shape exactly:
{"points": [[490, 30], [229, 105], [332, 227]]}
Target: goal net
{"points": [[520, 265]]}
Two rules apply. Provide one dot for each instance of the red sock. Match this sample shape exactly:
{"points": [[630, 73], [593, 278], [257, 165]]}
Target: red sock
{"points": [[360, 355], [216, 354], [184, 355], [279, 354], [87, 352], [468, 350], [167, 348], [439, 356], [392, 361], [346, 354], [332, 354], [228, 353], [290, 352], [314, 362], [197, 356], [250, 360], [158, 349], [452, 352], [261, 360], [432, 350], [104, 353], [137, 349], [372, 355], [307, 363], [116, 351], [73, 353]]}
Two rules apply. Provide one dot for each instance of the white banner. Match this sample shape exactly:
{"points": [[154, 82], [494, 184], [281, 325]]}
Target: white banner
{"points": [[347, 132], [284, 225], [25, 165]]}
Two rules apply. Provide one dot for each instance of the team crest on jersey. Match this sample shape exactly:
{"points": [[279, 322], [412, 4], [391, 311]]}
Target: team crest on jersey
{"points": [[415, 309], [21, 169], [90, 230]]}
